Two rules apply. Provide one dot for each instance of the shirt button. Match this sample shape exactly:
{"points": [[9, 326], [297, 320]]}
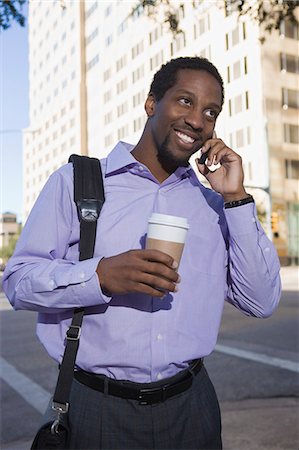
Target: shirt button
{"points": [[83, 284], [253, 219], [159, 337], [140, 168], [51, 283], [82, 275], [267, 249], [159, 376]]}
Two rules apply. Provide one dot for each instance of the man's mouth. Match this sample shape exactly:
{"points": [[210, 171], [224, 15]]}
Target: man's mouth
{"points": [[184, 137]]}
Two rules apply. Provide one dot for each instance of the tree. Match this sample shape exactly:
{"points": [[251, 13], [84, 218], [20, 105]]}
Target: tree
{"points": [[10, 10], [268, 13]]}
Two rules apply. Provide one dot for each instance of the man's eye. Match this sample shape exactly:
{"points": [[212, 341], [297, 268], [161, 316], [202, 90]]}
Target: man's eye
{"points": [[211, 114], [185, 101]]}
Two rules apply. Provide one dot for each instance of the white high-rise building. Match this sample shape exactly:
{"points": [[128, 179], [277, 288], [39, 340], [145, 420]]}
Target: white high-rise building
{"points": [[91, 64]]}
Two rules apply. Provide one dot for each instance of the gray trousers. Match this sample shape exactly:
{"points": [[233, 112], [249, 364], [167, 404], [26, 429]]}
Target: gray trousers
{"points": [[190, 420]]}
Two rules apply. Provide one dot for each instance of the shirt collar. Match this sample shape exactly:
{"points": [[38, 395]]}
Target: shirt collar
{"points": [[121, 157]]}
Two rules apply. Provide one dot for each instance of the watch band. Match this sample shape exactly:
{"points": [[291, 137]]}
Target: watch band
{"points": [[241, 202]]}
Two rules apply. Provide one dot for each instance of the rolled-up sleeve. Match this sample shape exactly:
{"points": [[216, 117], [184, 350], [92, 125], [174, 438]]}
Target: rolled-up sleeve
{"points": [[44, 273], [253, 280]]}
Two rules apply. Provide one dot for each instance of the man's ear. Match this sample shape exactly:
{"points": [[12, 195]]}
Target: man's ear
{"points": [[150, 105]]}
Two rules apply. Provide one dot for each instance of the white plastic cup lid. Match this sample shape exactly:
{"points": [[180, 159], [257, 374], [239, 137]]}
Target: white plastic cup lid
{"points": [[165, 219]]}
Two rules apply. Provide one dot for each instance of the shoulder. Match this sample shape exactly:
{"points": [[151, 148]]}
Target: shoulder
{"points": [[212, 198]]}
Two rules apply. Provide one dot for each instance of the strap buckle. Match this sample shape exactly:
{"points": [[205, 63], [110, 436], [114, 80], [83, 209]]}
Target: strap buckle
{"points": [[73, 333], [152, 395], [89, 209], [60, 408]]}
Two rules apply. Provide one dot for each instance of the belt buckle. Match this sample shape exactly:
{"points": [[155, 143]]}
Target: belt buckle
{"points": [[145, 394]]}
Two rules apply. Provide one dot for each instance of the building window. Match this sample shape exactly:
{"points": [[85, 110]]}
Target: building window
{"points": [[109, 140], [292, 169], [91, 10], [138, 123], [245, 65], [108, 118], [156, 60], [289, 63], [92, 63], [121, 62], [122, 132], [237, 70], [154, 35], [121, 86], [108, 40], [122, 27], [138, 73], [138, 99], [291, 133], [108, 10], [228, 74], [235, 36], [107, 74], [290, 98], [238, 104], [178, 43], [137, 49], [122, 109], [107, 96], [246, 100], [289, 29], [240, 138]]}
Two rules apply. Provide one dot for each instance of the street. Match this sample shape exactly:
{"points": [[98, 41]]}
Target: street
{"points": [[254, 369]]}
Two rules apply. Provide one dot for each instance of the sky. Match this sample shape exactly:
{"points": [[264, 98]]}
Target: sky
{"points": [[14, 114]]}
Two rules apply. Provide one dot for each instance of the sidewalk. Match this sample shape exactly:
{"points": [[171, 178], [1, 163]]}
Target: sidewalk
{"points": [[290, 278]]}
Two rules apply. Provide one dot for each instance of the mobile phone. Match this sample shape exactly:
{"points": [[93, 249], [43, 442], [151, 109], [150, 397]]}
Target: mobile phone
{"points": [[203, 158], [205, 155]]}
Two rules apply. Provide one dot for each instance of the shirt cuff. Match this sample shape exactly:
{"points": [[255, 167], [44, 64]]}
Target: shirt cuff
{"points": [[90, 281], [242, 220]]}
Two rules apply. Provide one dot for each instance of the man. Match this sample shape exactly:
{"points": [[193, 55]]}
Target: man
{"points": [[140, 381]]}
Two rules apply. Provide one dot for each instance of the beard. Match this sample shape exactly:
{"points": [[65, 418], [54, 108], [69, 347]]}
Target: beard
{"points": [[168, 160]]}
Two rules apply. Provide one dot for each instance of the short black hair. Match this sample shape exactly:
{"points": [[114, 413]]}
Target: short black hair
{"points": [[166, 76]]}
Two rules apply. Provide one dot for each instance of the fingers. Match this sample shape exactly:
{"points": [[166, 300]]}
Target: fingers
{"points": [[214, 153], [138, 271]]}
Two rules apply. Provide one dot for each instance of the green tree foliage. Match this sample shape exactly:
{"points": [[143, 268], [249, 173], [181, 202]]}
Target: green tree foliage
{"points": [[267, 13], [11, 10]]}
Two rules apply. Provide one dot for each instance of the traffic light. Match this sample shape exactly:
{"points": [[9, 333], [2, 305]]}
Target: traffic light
{"points": [[274, 224]]}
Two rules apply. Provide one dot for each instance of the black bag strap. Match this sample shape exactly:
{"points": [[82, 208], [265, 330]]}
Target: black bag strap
{"points": [[89, 197]]}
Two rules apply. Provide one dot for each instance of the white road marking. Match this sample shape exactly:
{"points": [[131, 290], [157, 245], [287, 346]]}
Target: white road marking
{"points": [[258, 357], [38, 397], [30, 391]]}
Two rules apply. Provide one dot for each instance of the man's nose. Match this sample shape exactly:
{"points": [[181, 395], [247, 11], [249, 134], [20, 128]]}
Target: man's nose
{"points": [[194, 118]]}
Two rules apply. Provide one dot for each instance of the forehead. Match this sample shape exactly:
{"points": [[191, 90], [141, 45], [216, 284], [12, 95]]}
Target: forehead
{"points": [[198, 83]]}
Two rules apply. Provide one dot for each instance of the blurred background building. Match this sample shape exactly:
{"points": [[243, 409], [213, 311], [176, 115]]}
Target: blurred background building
{"points": [[91, 64]]}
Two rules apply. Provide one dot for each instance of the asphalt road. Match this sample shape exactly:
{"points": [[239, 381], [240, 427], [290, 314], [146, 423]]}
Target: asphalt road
{"points": [[254, 370]]}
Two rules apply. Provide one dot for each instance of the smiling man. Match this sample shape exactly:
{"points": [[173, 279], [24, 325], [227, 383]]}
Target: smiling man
{"points": [[140, 381]]}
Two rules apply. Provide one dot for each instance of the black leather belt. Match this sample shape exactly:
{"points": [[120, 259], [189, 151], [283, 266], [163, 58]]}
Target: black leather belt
{"points": [[145, 394]]}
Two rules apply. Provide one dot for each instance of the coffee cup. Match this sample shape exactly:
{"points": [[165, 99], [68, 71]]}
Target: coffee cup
{"points": [[167, 234]]}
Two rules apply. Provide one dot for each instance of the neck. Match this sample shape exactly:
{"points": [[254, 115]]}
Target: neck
{"points": [[146, 153]]}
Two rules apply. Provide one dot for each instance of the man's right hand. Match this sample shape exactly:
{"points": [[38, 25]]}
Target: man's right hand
{"points": [[148, 272]]}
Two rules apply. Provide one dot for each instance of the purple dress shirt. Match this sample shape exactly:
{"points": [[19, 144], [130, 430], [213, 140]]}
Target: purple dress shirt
{"points": [[227, 256]]}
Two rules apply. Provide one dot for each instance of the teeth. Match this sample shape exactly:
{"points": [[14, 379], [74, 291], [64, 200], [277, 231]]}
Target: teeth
{"points": [[185, 138]]}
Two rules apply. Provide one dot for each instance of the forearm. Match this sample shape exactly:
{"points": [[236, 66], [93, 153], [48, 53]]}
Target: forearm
{"points": [[253, 272], [52, 286]]}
